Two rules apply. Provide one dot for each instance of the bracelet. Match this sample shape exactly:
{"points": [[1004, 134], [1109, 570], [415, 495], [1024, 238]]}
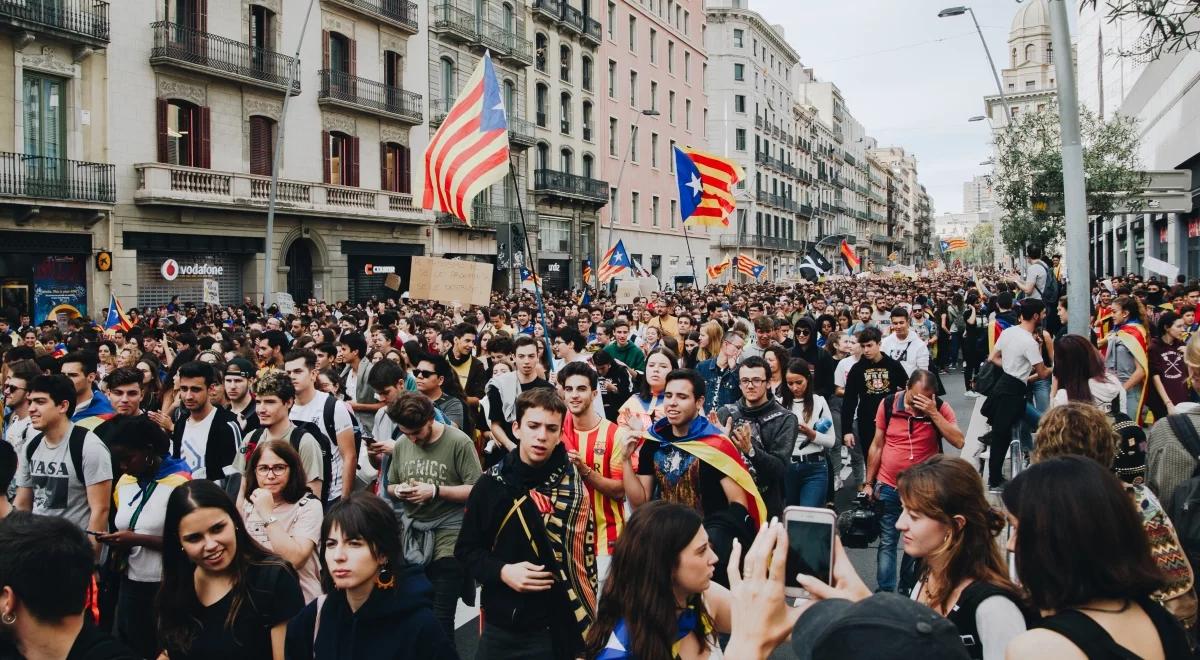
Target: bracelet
{"points": [[437, 491]]}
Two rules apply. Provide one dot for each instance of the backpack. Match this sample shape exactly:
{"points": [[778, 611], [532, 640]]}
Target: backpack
{"points": [[1183, 505], [889, 402], [74, 447], [1050, 292]]}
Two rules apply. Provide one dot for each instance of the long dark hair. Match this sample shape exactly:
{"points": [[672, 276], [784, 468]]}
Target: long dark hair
{"points": [[644, 389], [1068, 503], [1077, 362], [800, 367], [941, 488], [640, 588], [178, 606]]}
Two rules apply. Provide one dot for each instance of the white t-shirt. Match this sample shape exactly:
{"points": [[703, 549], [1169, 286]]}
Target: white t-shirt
{"points": [[910, 351], [314, 412], [843, 369], [57, 490], [145, 563], [195, 443], [1019, 352]]}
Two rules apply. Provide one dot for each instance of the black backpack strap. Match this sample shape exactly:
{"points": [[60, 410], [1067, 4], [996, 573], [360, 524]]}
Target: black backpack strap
{"points": [[964, 610], [1083, 632], [329, 415], [1186, 432], [75, 448], [889, 402], [32, 446]]}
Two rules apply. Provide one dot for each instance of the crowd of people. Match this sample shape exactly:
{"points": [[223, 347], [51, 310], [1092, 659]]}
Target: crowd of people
{"points": [[606, 480]]}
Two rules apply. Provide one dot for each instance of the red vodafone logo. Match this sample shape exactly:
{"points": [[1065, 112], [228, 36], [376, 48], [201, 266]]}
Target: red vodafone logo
{"points": [[170, 270]]}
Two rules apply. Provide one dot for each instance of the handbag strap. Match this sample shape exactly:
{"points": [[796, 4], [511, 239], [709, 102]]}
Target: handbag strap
{"points": [[317, 622], [145, 494]]}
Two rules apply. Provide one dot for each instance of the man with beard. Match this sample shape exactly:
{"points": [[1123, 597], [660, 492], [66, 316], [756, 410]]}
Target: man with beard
{"points": [[239, 375], [763, 430]]}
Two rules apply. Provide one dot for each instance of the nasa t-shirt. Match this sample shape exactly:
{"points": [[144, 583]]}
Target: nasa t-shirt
{"points": [[57, 491]]}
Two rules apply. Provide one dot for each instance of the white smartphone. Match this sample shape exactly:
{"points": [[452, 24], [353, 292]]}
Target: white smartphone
{"points": [[810, 534]]}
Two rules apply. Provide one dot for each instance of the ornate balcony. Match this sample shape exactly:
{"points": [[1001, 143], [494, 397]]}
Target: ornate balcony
{"points": [[397, 13], [572, 18], [176, 185], [182, 47], [483, 217], [549, 10], [520, 132], [84, 22], [570, 186], [347, 91], [44, 178], [591, 30], [453, 22]]}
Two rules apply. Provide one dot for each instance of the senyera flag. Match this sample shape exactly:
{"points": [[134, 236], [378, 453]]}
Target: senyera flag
{"points": [[470, 150], [705, 187], [716, 270], [116, 315], [849, 256]]}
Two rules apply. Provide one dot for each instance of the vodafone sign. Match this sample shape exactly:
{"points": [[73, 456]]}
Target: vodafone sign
{"points": [[171, 270], [370, 269]]}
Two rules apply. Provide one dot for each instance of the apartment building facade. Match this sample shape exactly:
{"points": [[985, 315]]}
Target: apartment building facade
{"points": [[57, 186], [653, 64]]}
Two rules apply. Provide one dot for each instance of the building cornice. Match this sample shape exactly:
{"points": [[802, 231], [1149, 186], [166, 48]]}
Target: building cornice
{"points": [[720, 14]]}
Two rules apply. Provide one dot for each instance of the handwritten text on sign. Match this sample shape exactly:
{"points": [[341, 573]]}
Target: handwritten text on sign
{"points": [[450, 280]]}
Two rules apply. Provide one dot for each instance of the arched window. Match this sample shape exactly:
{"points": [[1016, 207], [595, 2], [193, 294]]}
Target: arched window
{"points": [[395, 168], [341, 159], [541, 43], [543, 156], [543, 101], [1014, 57], [564, 63], [507, 17], [448, 84], [588, 166], [183, 133], [564, 110], [262, 144], [1029, 52], [510, 97], [566, 161], [1049, 54], [587, 120], [588, 73]]}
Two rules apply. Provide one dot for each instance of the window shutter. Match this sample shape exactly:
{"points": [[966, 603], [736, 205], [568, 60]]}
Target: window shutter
{"points": [[385, 182], [201, 8], [325, 49], [353, 68], [204, 146], [260, 145], [404, 170], [325, 155], [352, 168], [161, 109]]}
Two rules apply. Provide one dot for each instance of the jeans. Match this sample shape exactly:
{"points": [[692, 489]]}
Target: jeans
{"points": [[446, 575], [136, 624], [889, 537], [1132, 396], [497, 643], [807, 484]]}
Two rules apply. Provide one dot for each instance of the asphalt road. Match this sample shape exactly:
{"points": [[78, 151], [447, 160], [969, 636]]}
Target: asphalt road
{"points": [[864, 560]]}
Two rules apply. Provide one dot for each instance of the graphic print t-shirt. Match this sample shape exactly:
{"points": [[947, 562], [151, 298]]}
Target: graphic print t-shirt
{"points": [[57, 491]]}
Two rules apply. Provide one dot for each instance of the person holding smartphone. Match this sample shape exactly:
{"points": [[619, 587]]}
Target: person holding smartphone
{"points": [[909, 429]]}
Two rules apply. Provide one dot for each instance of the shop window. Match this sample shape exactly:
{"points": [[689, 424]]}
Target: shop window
{"points": [[262, 144], [340, 158], [395, 167], [183, 133]]}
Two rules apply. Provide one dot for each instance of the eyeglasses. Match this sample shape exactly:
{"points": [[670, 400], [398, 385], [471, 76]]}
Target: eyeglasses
{"points": [[754, 382], [421, 373], [277, 470], [804, 332], [12, 388]]}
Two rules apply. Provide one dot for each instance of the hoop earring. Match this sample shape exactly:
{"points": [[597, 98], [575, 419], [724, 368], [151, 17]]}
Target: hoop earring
{"points": [[9, 618], [386, 579]]}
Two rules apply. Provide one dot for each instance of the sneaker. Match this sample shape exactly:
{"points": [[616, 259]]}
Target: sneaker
{"points": [[972, 394]]}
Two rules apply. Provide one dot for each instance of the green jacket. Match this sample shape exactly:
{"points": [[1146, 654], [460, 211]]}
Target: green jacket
{"points": [[631, 355]]}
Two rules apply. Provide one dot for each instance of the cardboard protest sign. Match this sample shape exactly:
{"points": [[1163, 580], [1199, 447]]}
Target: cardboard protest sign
{"points": [[450, 281]]}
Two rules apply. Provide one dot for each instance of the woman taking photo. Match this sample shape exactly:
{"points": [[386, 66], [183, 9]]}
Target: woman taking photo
{"points": [[378, 607], [148, 477], [1167, 371], [223, 595], [279, 511], [1096, 603], [807, 482], [646, 405], [659, 601], [950, 529]]}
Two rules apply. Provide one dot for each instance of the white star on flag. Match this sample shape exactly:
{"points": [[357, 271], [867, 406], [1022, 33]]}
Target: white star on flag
{"points": [[695, 185]]}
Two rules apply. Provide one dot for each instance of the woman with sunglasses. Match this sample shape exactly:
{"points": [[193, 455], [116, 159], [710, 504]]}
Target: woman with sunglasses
{"points": [[279, 511]]}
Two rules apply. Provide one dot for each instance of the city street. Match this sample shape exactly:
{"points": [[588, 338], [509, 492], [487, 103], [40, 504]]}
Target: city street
{"points": [[864, 560]]}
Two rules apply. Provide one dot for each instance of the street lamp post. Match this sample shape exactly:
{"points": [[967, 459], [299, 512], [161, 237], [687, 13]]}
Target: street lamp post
{"points": [[612, 211], [959, 11]]}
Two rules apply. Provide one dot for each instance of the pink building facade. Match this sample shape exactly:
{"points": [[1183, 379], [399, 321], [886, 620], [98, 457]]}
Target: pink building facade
{"points": [[651, 60]]}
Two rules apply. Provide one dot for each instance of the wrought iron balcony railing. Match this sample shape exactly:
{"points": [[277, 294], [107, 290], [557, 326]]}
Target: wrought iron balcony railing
{"points": [[83, 20], [183, 46], [42, 177], [369, 95]]}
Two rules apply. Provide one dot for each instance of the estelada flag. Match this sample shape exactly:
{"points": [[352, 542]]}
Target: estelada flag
{"points": [[116, 315], [848, 255], [705, 187]]}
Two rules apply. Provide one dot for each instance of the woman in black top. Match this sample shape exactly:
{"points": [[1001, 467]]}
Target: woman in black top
{"points": [[1084, 559], [223, 595]]}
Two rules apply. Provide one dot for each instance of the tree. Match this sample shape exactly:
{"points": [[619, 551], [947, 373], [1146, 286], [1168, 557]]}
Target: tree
{"points": [[1028, 182], [1168, 26], [981, 252]]}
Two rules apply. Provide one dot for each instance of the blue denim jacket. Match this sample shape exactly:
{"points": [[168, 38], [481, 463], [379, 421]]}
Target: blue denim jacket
{"points": [[720, 387]]}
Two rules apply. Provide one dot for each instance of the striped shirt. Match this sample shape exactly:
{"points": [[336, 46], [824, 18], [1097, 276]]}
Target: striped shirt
{"points": [[600, 449]]}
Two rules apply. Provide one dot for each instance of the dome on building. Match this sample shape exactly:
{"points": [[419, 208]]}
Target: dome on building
{"points": [[1031, 18]]}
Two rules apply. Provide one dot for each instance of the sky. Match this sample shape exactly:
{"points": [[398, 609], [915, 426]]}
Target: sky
{"points": [[912, 79]]}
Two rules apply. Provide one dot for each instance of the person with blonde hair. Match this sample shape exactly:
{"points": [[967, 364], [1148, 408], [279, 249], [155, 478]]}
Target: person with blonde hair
{"points": [[711, 336]]}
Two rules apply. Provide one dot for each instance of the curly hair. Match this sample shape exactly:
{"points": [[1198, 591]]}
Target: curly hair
{"points": [[275, 383], [1076, 429]]}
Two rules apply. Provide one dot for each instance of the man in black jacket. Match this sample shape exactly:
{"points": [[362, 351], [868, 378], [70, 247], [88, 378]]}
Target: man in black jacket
{"points": [[871, 379], [763, 430], [525, 522], [209, 438]]}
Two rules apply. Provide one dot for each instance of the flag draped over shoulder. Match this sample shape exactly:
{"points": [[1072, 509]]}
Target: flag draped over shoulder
{"points": [[705, 187], [469, 152], [1136, 339], [613, 262]]}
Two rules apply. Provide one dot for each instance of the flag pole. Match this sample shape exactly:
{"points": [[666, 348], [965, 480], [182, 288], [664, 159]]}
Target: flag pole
{"points": [[688, 243], [537, 288]]}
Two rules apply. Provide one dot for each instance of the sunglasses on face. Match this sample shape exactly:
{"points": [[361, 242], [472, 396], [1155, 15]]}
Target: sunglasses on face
{"points": [[421, 373]]}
